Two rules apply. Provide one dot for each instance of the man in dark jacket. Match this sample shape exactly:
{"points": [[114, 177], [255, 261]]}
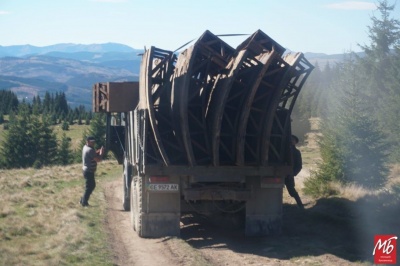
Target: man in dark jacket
{"points": [[90, 157], [297, 165]]}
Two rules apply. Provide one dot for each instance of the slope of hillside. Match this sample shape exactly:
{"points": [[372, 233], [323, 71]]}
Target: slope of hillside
{"points": [[34, 75]]}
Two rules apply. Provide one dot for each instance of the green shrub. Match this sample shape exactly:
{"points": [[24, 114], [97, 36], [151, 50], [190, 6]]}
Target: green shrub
{"points": [[65, 126], [318, 187]]}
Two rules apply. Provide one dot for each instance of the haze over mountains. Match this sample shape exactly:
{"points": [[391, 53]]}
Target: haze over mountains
{"points": [[73, 68]]}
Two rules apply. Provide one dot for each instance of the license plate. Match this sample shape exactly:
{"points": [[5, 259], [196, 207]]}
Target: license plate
{"points": [[163, 187]]}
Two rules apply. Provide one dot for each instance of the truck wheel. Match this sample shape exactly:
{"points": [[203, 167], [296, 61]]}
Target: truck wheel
{"points": [[126, 200], [132, 205], [127, 178], [137, 205]]}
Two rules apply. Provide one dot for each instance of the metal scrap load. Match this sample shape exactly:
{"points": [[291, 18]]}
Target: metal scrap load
{"points": [[216, 105]]}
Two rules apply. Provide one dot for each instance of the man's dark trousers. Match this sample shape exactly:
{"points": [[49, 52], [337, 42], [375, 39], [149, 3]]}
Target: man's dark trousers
{"points": [[90, 184], [289, 182]]}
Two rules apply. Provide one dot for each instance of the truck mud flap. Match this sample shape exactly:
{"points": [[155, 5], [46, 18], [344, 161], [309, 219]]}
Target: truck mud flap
{"points": [[262, 225], [159, 224], [264, 209], [155, 214]]}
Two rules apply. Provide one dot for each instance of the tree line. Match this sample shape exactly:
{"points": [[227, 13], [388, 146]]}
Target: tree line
{"points": [[29, 137], [55, 106], [358, 101]]}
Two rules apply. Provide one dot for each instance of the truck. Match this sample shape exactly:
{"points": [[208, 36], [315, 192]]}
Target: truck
{"points": [[207, 129]]}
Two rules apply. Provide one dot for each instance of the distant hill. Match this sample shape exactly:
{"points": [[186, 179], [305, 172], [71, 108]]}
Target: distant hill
{"points": [[34, 75], [73, 68], [24, 50], [321, 59]]}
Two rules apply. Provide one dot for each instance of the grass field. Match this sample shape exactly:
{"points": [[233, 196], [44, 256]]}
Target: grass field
{"points": [[75, 132], [42, 223]]}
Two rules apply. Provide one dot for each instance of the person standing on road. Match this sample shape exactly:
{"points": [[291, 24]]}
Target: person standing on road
{"points": [[297, 165], [90, 158]]}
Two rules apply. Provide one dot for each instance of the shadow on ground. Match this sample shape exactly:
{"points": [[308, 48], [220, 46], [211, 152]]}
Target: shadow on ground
{"points": [[334, 226]]}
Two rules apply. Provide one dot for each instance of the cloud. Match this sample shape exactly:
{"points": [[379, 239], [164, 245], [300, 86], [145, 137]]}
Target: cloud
{"points": [[352, 5], [2, 12]]}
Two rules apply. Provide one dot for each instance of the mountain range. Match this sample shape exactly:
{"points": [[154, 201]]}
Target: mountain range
{"points": [[73, 68]]}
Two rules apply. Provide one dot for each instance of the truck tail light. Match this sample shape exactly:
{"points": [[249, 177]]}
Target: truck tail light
{"points": [[271, 180], [158, 179]]}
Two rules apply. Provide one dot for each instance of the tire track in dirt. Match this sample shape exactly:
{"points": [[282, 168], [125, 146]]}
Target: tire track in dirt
{"points": [[129, 249]]}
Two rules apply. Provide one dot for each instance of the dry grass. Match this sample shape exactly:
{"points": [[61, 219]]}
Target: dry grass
{"points": [[351, 192], [394, 175], [355, 192], [41, 222]]}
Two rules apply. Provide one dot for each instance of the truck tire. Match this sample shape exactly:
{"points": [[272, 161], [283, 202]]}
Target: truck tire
{"points": [[132, 205], [136, 205], [127, 181]]}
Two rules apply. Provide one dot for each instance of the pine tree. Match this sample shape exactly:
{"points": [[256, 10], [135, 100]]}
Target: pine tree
{"points": [[46, 143], [384, 34], [97, 129], [65, 126], [353, 148], [362, 144], [382, 67], [29, 141], [331, 169], [8, 102], [79, 120], [17, 144], [36, 105], [47, 103], [65, 154], [390, 111]]}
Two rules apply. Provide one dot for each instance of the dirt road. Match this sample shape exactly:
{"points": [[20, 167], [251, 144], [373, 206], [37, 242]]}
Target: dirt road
{"points": [[305, 240]]}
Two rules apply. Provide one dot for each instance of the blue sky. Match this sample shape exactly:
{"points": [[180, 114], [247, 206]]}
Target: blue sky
{"points": [[322, 26]]}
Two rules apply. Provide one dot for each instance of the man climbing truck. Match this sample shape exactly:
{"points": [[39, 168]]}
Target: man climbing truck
{"points": [[208, 129]]}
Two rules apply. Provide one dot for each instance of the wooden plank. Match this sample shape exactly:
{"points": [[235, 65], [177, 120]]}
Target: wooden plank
{"points": [[151, 89], [266, 59], [180, 87], [285, 81], [259, 110], [218, 98]]}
